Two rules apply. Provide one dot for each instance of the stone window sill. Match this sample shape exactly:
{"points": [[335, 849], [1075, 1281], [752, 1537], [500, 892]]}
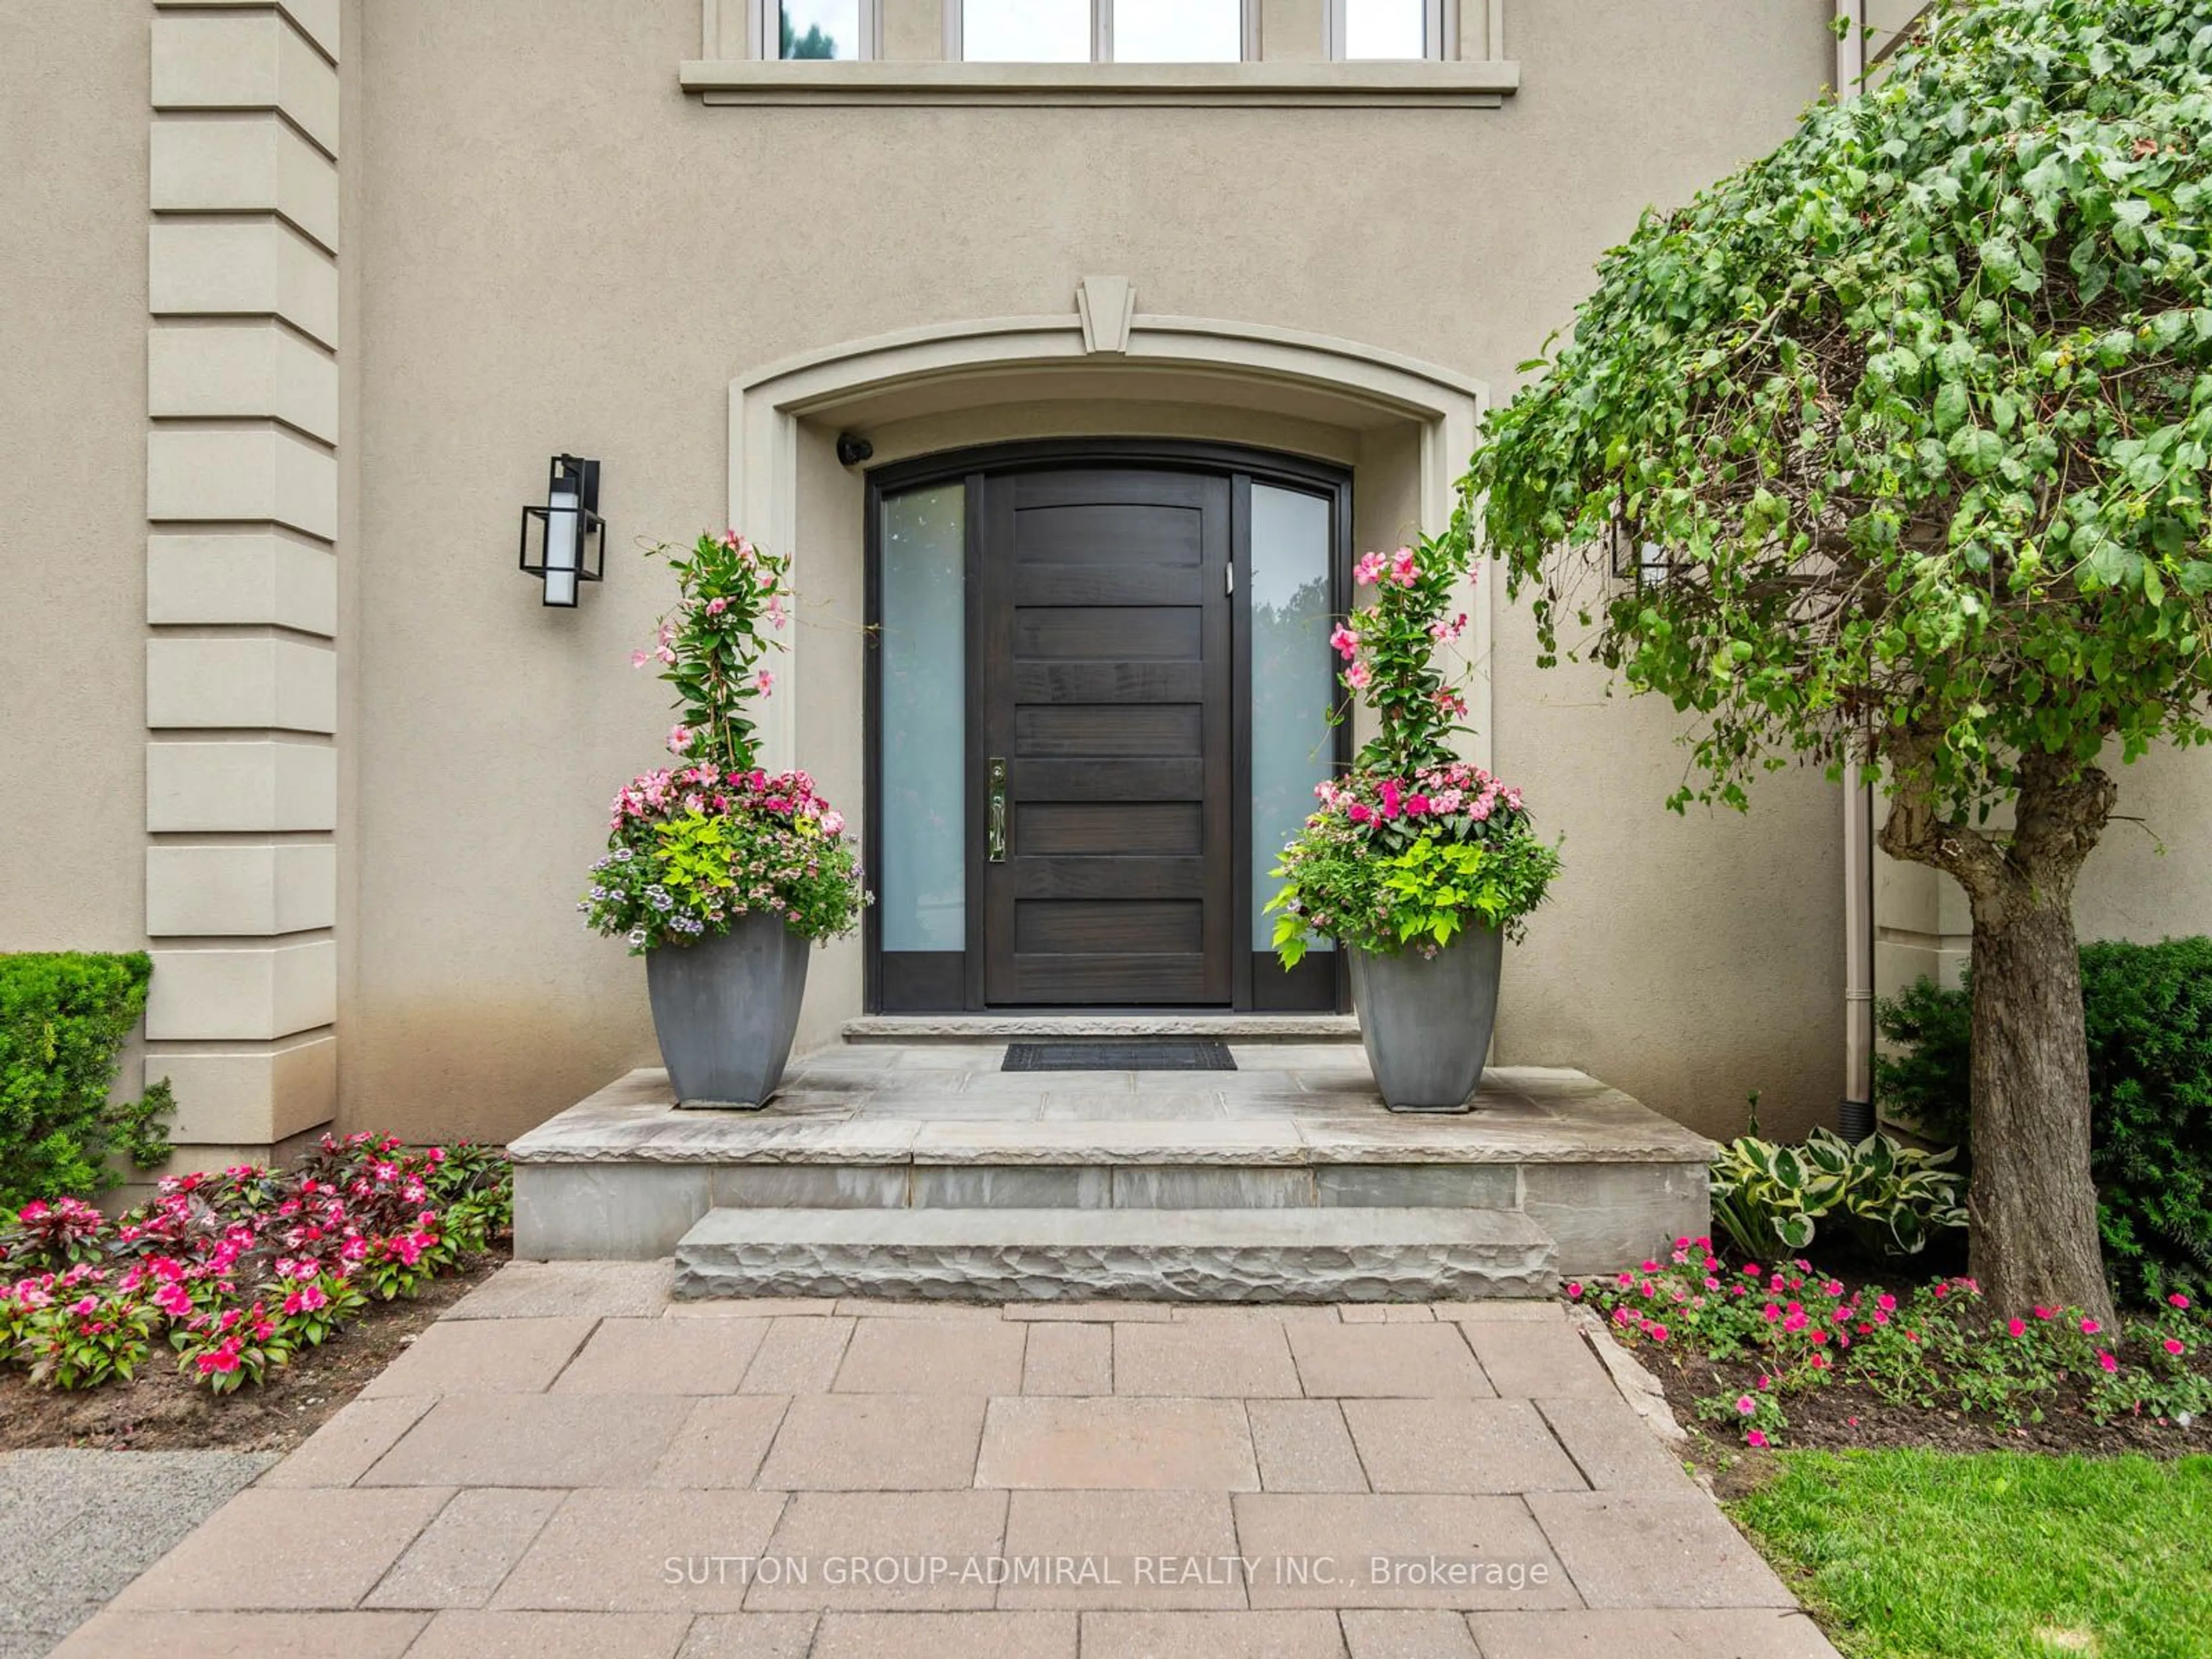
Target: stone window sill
{"points": [[1266, 84]]}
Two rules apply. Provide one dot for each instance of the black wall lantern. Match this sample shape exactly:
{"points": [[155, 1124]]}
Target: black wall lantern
{"points": [[568, 527], [1633, 558]]}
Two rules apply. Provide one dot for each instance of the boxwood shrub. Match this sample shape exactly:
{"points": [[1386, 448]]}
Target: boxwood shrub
{"points": [[64, 1016], [2148, 1009]]}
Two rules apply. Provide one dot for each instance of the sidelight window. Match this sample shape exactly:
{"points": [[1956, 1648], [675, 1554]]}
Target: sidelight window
{"points": [[922, 885], [1103, 31], [1293, 678]]}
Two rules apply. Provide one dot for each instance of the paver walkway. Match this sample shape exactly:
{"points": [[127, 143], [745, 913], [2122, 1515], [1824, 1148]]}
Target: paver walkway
{"points": [[569, 1464]]}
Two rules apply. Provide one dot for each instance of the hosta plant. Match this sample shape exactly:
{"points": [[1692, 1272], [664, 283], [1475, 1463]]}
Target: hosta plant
{"points": [[694, 846], [1414, 845], [1892, 1198]]}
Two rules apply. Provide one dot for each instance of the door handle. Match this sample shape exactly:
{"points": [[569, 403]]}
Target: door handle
{"points": [[996, 811]]}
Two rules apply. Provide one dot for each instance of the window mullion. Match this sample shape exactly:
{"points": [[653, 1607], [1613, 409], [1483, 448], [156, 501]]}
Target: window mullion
{"points": [[1102, 31]]}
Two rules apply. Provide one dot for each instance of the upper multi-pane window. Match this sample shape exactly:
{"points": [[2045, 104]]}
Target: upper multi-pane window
{"points": [[818, 29], [1103, 31], [1374, 29]]}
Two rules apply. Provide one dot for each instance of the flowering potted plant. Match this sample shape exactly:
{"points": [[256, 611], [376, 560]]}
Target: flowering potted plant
{"points": [[1418, 865], [719, 874]]}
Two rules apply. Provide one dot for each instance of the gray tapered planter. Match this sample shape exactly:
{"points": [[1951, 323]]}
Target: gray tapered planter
{"points": [[725, 1009], [1426, 1020]]}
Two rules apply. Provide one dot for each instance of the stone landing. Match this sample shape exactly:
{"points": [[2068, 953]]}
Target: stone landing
{"points": [[922, 1169]]}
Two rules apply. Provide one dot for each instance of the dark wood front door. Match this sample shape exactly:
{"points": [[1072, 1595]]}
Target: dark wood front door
{"points": [[1107, 863]]}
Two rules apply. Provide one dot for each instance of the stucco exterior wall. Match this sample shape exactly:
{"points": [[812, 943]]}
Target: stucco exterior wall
{"points": [[72, 489], [560, 251], [550, 247]]}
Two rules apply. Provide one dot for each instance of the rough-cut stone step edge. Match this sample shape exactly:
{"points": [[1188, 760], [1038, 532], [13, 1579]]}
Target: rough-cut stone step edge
{"points": [[1177, 1273], [1254, 1227]]}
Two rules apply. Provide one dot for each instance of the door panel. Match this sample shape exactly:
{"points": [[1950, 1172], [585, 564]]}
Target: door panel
{"points": [[1086, 827], [1129, 731], [1046, 633], [1061, 925], [1106, 688], [1109, 682]]}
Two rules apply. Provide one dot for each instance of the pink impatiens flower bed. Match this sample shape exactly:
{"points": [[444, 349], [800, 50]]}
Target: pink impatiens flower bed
{"points": [[1776, 1332], [241, 1268]]}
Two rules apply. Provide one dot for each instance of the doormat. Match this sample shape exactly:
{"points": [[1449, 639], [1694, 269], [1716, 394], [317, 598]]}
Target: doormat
{"points": [[1139, 1055]]}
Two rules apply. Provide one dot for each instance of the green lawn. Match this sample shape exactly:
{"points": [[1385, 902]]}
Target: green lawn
{"points": [[2000, 1555]]}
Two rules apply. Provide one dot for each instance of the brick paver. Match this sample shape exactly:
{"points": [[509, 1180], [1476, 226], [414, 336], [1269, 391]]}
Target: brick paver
{"points": [[1425, 1550], [486, 1356], [1304, 1446], [1409, 1635], [277, 1549], [1075, 1359], [875, 1443], [1240, 1359], [1458, 1445], [1651, 1633], [1132, 1443], [571, 1464], [932, 1355], [1402, 1361], [118, 1635], [465, 1554], [664, 1356], [532, 1440], [1212, 1635]]}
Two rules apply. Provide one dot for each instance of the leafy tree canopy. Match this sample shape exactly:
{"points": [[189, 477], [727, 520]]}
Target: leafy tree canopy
{"points": [[1918, 408]]}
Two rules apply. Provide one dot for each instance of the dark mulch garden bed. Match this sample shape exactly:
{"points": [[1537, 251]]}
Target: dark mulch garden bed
{"points": [[162, 1410], [1843, 1417]]}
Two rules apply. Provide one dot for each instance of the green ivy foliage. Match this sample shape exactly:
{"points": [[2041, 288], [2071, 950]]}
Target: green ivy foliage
{"points": [[2149, 1012], [63, 1017], [1918, 409]]}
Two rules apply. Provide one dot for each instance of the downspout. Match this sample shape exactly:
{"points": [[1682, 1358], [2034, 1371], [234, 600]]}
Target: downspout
{"points": [[1854, 1119]]}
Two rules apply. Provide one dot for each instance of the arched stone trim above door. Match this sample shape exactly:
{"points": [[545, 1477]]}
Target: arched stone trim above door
{"points": [[1190, 359]]}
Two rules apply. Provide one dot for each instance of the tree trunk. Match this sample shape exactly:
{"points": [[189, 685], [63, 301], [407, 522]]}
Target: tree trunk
{"points": [[2031, 1206]]}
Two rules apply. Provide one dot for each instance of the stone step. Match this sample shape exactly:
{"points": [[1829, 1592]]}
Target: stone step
{"points": [[998, 1028], [1353, 1254]]}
